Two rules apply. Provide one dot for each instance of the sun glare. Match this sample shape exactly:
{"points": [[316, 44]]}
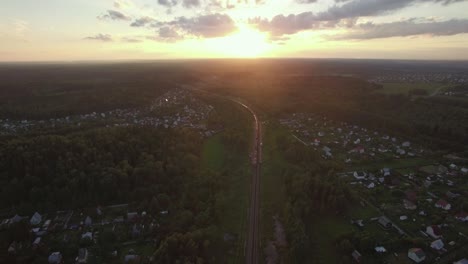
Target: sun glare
{"points": [[245, 43]]}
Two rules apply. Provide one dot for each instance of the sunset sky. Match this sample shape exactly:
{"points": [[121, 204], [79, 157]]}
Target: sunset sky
{"points": [[70, 30]]}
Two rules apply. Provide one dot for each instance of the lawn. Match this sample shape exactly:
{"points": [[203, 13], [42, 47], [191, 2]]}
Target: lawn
{"points": [[405, 88]]}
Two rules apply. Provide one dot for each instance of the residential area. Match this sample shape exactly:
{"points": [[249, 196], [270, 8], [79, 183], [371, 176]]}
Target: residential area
{"points": [[176, 108], [407, 191], [119, 232]]}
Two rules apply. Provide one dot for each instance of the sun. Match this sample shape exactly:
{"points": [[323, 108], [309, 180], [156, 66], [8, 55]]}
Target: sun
{"points": [[246, 42]]}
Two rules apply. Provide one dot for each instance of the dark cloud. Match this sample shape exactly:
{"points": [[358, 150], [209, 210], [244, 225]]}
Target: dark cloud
{"points": [[141, 22], [114, 15], [406, 28], [285, 25], [167, 3], [306, 1], [100, 37], [191, 3]]}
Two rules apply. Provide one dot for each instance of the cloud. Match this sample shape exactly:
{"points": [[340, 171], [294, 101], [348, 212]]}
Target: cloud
{"points": [[131, 40], [208, 26], [123, 4], [167, 3], [191, 3], [306, 1], [349, 11], [100, 37], [141, 22], [114, 15], [406, 28]]}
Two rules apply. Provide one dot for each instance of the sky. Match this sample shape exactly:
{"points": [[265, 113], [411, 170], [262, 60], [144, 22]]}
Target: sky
{"points": [[74, 30]]}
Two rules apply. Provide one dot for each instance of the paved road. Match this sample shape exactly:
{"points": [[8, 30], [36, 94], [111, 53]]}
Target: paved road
{"points": [[252, 245]]}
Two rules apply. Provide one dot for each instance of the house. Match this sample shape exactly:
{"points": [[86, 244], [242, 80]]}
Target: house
{"points": [[356, 256], [416, 254], [461, 261], [406, 144], [132, 259], [380, 249], [443, 205], [87, 235], [437, 245], [386, 172], [132, 217], [359, 175], [82, 256], [403, 218], [35, 219], [464, 170], [14, 247], [88, 221], [36, 242], [462, 216], [434, 231], [371, 185], [55, 258], [385, 222], [409, 205], [16, 219]]}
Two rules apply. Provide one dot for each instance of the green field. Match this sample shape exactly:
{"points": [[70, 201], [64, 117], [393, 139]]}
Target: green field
{"points": [[213, 153], [405, 88]]}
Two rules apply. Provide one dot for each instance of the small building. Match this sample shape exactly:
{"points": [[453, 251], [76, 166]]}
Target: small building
{"points": [[87, 235], [386, 172], [409, 205], [82, 256], [36, 219], [55, 258], [356, 256], [380, 249], [443, 205], [88, 221], [132, 259], [385, 222], [132, 217], [416, 254], [434, 231], [462, 216], [359, 175], [461, 261], [437, 245]]}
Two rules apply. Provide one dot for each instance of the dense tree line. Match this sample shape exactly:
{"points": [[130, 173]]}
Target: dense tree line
{"points": [[156, 169]]}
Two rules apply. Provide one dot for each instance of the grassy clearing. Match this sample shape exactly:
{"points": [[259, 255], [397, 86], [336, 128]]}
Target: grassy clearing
{"points": [[232, 201], [213, 153], [393, 164], [272, 192], [326, 229], [405, 88]]}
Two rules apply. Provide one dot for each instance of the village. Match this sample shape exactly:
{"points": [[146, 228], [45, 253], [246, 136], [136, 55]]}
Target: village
{"points": [[115, 231], [406, 190], [430, 77], [176, 108]]}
